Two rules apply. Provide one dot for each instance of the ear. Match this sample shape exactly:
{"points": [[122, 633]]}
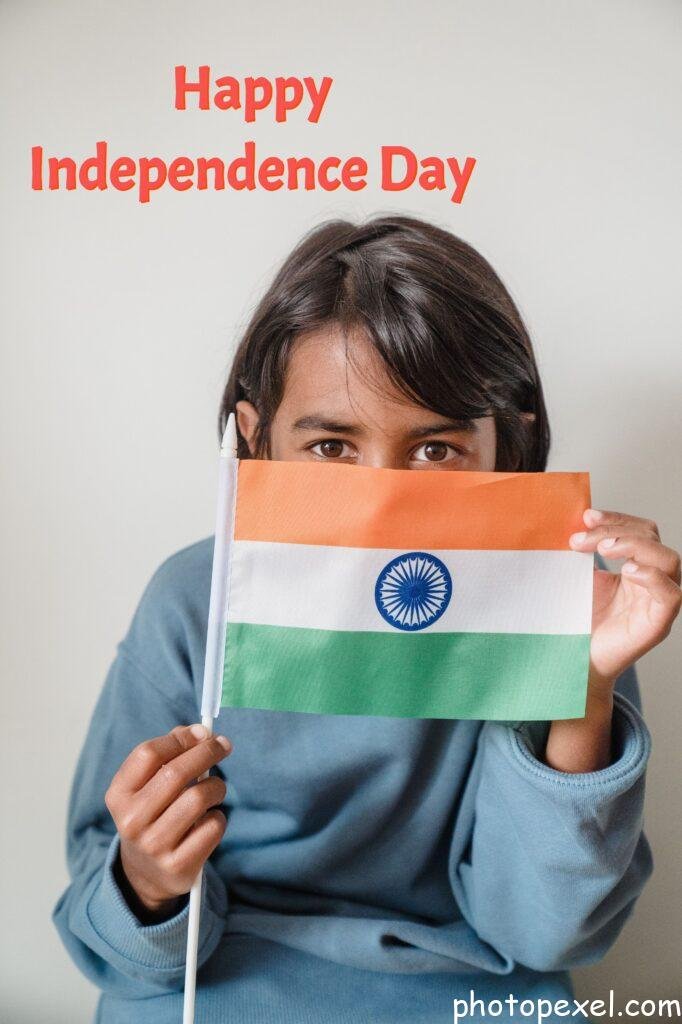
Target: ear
{"points": [[528, 417], [247, 421]]}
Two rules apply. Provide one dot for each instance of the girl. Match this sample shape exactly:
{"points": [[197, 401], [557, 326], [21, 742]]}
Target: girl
{"points": [[366, 869]]}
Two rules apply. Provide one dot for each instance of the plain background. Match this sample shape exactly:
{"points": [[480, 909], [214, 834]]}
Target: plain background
{"points": [[118, 323]]}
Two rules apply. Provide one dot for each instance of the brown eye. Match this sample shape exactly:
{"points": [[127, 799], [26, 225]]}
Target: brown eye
{"points": [[435, 451], [330, 449]]}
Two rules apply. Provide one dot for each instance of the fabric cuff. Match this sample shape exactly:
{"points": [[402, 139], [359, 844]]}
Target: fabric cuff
{"points": [[631, 749], [161, 946]]}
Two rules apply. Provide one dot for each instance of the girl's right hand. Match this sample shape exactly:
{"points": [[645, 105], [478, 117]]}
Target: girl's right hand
{"points": [[168, 827]]}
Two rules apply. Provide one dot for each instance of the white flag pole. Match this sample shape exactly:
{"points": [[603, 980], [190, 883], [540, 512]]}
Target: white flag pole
{"points": [[213, 665]]}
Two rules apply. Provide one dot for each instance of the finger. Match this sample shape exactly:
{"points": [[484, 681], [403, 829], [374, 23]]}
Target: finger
{"points": [[144, 761], [168, 831], [202, 839], [644, 551], [659, 585], [593, 517], [588, 540], [172, 778]]}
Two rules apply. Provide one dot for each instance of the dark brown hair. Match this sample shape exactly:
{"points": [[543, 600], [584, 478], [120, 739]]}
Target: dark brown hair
{"points": [[444, 325]]}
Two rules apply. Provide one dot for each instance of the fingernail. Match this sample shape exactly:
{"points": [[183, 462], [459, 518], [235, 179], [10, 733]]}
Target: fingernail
{"points": [[608, 542], [630, 567], [594, 514], [224, 742], [198, 731], [578, 538]]}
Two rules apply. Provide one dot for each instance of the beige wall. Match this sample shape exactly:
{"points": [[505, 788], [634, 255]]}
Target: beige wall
{"points": [[118, 322]]}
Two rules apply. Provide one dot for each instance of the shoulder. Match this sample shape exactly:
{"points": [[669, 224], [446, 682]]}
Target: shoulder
{"points": [[184, 575], [168, 628]]}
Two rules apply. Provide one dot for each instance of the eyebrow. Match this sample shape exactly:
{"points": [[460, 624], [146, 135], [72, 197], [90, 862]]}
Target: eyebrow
{"points": [[427, 430], [451, 427]]}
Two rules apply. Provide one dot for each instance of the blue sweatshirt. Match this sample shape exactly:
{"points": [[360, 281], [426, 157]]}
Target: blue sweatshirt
{"points": [[373, 869]]}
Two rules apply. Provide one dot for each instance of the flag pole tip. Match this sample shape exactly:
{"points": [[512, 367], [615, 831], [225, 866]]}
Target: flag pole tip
{"points": [[228, 445]]}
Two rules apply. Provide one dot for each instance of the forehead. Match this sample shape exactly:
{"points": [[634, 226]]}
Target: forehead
{"points": [[341, 383], [343, 371]]}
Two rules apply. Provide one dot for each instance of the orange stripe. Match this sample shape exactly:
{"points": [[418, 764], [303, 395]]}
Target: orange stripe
{"points": [[356, 506]]}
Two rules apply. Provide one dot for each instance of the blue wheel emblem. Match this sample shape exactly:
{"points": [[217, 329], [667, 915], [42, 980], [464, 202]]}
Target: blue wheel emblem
{"points": [[413, 590]]}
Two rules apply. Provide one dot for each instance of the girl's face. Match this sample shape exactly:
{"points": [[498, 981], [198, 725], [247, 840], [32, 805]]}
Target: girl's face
{"points": [[336, 409]]}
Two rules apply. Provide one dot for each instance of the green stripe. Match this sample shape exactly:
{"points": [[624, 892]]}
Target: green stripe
{"points": [[506, 676]]}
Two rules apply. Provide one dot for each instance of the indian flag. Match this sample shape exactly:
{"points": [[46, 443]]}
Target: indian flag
{"points": [[428, 594]]}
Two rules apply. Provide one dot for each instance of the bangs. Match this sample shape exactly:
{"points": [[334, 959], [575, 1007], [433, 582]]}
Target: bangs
{"points": [[436, 348]]}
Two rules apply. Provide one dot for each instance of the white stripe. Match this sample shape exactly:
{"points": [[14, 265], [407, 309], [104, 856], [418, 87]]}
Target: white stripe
{"points": [[325, 587]]}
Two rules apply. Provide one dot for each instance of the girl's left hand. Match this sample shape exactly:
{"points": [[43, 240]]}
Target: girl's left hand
{"points": [[632, 610]]}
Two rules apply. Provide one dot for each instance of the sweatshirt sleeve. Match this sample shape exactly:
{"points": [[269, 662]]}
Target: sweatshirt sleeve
{"points": [[546, 865], [149, 689]]}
